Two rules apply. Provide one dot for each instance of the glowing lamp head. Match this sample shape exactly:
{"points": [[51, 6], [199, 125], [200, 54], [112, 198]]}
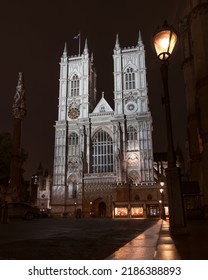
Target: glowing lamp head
{"points": [[162, 184], [164, 39]]}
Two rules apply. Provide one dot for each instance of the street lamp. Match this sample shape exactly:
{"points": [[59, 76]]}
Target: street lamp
{"points": [[91, 209], [129, 195], [75, 209], [162, 200], [164, 40]]}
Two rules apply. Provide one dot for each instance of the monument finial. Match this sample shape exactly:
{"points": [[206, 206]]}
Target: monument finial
{"points": [[19, 108]]}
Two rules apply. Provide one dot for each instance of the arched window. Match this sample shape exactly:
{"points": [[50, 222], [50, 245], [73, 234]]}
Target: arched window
{"points": [[73, 144], [131, 133], [129, 78], [73, 139], [74, 190], [102, 153], [75, 85]]}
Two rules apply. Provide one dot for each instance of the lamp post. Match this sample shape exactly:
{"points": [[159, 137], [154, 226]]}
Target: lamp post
{"points": [[91, 209], [129, 195], [75, 209], [162, 200], [164, 40]]}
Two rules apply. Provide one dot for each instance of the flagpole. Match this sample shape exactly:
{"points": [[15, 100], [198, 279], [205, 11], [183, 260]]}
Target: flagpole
{"points": [[78, 36]]}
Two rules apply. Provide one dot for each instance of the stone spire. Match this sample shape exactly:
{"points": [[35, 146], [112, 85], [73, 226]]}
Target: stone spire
{"points": [[85, 47], [140, 42], [85, 52], [117, 45], [19, 108], [64, 55], [92, 57], [65, 50], [140, 37]]}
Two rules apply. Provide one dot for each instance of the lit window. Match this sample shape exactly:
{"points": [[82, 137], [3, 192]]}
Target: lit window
{"points": [[121, 211], [129, 79], [102, 153], [137, 211], [75, 86]]}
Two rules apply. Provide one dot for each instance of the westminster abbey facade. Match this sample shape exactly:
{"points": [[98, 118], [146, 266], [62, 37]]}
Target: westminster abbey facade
{"points": [[103, 157]]}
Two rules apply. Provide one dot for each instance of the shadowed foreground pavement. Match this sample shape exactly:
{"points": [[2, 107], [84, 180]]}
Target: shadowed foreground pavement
{"points": [[192, 246], [98, 239], [63, 239]]}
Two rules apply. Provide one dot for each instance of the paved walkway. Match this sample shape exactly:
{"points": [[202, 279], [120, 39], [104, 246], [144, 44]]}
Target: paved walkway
{"points": [[166, 248], [97, 239], [143, 247], [156, 243]]}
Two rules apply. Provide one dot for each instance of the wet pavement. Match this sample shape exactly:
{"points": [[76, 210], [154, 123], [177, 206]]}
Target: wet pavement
{"points": [[156, 243], [98, 239], [142, 247], [63, 239]]}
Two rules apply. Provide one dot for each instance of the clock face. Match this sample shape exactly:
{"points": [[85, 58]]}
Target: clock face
{"points": [[73, 113], [131, 107]]}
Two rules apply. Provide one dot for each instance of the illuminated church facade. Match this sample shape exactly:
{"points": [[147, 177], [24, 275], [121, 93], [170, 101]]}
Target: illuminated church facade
{"points": [[103, 157]]}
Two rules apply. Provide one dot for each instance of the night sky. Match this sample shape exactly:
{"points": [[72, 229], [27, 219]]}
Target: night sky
{"points": [[33, 34]]}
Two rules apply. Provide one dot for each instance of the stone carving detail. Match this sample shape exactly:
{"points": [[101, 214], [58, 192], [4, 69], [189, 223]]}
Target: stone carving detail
{"points": [[98, 188], [133, 160], [73, 165], [19, 109], [131, 96], [134, 177], [72, 179], [74, 104]]}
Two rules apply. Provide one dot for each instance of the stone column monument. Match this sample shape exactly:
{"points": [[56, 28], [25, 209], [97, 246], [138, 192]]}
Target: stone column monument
{"points": [[18, 111]]}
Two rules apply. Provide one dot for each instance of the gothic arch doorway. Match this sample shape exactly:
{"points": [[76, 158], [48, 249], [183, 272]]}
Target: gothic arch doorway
{"points": [[102, 209]]}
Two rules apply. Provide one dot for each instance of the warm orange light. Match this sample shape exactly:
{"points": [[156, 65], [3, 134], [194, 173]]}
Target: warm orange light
{"points": [[161, 190], [162, 184], [164, 42]]}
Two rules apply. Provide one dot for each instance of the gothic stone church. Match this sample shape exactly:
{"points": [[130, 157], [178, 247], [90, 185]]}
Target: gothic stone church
{"points": [[103, 158]]}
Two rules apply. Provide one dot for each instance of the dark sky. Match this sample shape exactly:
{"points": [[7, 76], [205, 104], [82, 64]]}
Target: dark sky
{"points": [[33, 34]]}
